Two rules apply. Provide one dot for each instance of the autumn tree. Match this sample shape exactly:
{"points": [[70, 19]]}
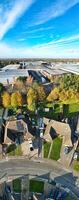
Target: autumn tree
{"points": [[68, 96], [54, 95], [6, 99], [69, 81], [41, 95], [20, 86], [19, 98], [31, 99], [67, 91], [29, 80], [16, 99]]}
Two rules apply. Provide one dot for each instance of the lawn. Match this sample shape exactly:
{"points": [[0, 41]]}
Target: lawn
{"points": [[18, 151], [76, 166], [58, 108], [73, 108], [46, 148], [36, 186], [69, 198], [11, 150], [16, 185], [70, 109], [56, 148], [14, 151]]}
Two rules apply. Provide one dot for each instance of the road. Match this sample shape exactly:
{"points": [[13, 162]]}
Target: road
{"points": [[41, 168]]}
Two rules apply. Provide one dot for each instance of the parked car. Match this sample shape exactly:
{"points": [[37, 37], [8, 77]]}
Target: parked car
{"points": [[41, 133], [77, 182], [17, 142], [31, 145], [66, 150], [76, 134], [75, 156], [33, 122], [67, 190]]}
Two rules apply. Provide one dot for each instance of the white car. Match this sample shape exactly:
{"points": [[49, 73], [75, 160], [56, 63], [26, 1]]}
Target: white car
{"points": [[66, 150], [31, 145], [77, 182], [41, 133], [67, 190], [75, 156]]}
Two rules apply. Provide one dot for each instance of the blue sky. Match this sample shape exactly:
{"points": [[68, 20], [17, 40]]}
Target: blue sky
{"points": [[39, 28]]}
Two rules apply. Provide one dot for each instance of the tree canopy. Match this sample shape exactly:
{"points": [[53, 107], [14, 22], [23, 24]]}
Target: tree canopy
{"points": [[6, 99], [16, 99], [67, 90], [31, 99]]}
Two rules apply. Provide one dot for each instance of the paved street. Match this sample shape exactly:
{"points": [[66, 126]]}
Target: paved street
{"points": [[44, 169]]}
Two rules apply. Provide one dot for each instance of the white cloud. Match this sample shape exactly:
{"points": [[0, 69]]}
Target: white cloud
{"points": [[30, 37], [9, 17], [61, 42], [38, 52], [21, 39], [57, 9], [39, 29], [68, 39]]}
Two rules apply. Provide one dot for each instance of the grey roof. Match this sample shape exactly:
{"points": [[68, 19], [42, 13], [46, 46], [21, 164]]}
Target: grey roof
{"points": [[73, 68]]}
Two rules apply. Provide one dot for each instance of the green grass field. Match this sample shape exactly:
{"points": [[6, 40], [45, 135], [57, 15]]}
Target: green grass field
{"points": [[16, 185], [69, 198], [76, 166], [36, 186], [46, 148], [56, 148]]}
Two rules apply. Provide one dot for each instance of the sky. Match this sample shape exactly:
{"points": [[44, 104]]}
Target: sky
{"points": [[39, 28]]}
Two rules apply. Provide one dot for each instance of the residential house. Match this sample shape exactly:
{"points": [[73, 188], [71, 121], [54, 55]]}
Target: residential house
{"points": [[15, 131], [56, 128]]}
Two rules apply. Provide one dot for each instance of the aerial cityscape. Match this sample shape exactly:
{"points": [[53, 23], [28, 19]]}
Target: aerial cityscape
{"points": [[39, 100]]}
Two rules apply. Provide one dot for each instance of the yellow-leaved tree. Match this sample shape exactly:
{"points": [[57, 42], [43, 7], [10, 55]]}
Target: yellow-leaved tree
{"points": [[6, 99], [54, 95], [31, 99], [16, 99]]}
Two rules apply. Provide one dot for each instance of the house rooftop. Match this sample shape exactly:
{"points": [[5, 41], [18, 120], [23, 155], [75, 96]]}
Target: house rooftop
{"points": [[14, 128], [58, 128]]}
